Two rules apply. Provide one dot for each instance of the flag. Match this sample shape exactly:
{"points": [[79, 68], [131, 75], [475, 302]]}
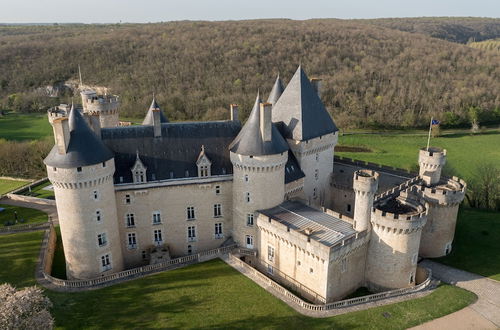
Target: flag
{"points": [[435, 122]]}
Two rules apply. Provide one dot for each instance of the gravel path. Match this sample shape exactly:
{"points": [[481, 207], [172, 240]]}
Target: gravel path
{"points": [[49, 209]]}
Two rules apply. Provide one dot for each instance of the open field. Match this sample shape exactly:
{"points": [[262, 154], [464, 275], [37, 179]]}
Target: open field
{"points": [[465, 150], [9, 185], [476, 248], [39, 191], [14, 126], [207, 295], [29, 215]]}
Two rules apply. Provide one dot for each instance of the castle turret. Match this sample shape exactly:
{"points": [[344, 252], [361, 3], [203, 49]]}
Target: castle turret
{"points": [[365, 185], [395, 238], [258, 154], [431, 163], [105, 106], [155, 115], [81, 169], [310, 133], [276, 91]]}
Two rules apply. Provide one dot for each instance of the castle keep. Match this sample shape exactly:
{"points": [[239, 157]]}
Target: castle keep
{"points": [[134, 195]]}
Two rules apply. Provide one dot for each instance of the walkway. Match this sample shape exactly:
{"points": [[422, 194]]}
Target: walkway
{"points": [[49, 209], [483, 314]]}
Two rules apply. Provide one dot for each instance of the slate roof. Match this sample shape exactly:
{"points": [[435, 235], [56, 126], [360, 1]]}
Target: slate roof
{"points": [[175, 152], [276, 91], [326, 229], [249, 141], [148, 120], [84, 148], [292, 169], [302, 111]]}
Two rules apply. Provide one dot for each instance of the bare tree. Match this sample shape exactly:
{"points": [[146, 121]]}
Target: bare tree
{"points": [[484, 187]]}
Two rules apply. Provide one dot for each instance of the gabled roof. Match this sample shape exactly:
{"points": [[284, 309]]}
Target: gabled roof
{"points": [[148, 120], [249, 141], [276, 92], [301, 110], [202, 157], [84, 147]]}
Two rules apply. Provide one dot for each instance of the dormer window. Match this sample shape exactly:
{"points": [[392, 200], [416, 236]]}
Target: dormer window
{"points": [[204, 164], [139, 171]]}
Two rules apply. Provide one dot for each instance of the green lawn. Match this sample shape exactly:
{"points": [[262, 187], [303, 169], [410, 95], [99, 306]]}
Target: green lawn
{"points": [[398, 149], [207, 295], [29, 215], [9, 185], [39, 191], [14, 126], [476, 247]]}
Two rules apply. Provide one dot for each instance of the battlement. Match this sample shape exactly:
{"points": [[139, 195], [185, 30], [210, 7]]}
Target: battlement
{"points": [[449, 192], [407, 214], [94, 103]]}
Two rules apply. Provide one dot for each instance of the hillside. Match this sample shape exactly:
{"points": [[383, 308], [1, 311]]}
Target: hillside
{"points": [[455, 29], [489, 44], [373, 76]]}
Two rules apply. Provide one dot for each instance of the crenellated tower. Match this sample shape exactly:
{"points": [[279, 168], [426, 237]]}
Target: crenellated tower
{"points": [[431, 161], [106, 106], [365, 185], [80, 168], [258, 154]]}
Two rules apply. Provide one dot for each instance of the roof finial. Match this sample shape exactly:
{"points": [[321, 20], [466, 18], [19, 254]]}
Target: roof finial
{"points": [[203, 148]]}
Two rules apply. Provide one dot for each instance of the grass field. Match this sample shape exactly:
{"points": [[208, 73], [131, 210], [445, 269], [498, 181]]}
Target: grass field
{"points": [[29, 215], [398, 149], [39, 191], [476, 247], [9, 185], [14, 126]]}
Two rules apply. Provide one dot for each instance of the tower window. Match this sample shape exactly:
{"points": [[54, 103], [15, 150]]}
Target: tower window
{"points": [[144, 255], [190, 249], [317, 157], [218, 230], [98, 216], [247, 197], [190, 213], [217, 190], [130, 220], [101, 239], [105, 262], [250, 219], [246, 177], [158, 239], [127, 199], [311, 270], [95, 194], [270, 253], [55, 169], [315, 193], [103, 164], [412, 278], [217, 210], [78, 169], [156, 218], [316, 174], [132, 241], [191, 233]]}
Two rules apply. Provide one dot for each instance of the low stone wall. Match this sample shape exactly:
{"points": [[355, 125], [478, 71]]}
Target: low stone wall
{"points": [[322, 310], [31, 199], [24, 227]]}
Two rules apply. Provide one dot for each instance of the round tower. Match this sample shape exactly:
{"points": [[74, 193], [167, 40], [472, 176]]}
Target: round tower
{"points": [[443, 201], [393, 249], [365, 185], [259, 155], [81, 169], [106, 106], [431, 163]]}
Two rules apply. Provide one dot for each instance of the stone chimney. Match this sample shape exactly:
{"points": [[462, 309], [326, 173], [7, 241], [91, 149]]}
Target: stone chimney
{"points": [[156, 122], [61, 134], [317, 84], [95, 124], [234, 112], [266, 125]]}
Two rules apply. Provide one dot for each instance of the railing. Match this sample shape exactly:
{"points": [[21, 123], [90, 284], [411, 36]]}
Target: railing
{"points": [[126, 274], [24, 227], [334, 305]]}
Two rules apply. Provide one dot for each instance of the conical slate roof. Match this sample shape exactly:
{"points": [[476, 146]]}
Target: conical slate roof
{"points": [[300, 109], [148, 120], [276, 92], [84, 147], [249, 141]]}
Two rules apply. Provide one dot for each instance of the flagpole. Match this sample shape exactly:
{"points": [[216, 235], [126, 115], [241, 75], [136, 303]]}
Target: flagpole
{"points": [[429, 137]]}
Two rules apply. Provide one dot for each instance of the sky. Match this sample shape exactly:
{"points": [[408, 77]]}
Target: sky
{"points": [[144, 11]]}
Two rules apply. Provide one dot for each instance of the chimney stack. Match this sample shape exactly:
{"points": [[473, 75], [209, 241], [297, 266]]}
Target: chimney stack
{"points": [[156, 122], [61, 134], [316, 84], [266, 125], [95, 124], [234, 112]]}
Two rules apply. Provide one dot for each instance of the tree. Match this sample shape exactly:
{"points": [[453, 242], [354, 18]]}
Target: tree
{"points": [[24, 309], [484, 187]]}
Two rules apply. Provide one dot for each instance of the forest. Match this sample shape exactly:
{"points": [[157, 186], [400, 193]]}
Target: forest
{"points": [[376, 73]]}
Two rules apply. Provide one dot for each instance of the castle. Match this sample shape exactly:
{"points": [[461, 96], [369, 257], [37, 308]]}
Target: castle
{"points": [[135, 195]]}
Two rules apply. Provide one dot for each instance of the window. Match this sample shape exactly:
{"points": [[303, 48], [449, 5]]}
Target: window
{"points": [[127, 199], [414, 259], [270, 269], [121, 179], [218, 230], [158, 237], [190, 249], [270, 253], [317, 157], [101, 239], [447, 249], [105, 262], [311, 270], [298, 263], [250, 219], [103, 164], [246, 177], [190, 213], [217, 190], [95, 194], [191, 233], [348, 207], [247, 197], [249, 240], [412, 278], [98, 216], [144, 255], [156, 218], [316, 174], [217, 211], [343, 265], [132, 241], [55, 169], [130, 220], [315, 193], [78, 169], [203, 170]]}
